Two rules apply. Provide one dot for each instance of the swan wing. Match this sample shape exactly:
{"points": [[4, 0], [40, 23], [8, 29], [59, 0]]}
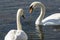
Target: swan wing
{"points": [[53, 19], [21, 35], [10, 35]]}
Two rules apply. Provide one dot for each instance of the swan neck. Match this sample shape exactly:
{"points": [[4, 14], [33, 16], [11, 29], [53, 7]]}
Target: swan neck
{"points": [[42, 13], [19, 26], [41, 16]]}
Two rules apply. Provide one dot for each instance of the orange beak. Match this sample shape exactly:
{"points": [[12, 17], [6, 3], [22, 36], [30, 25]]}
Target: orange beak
{"points": [[30, 9]]}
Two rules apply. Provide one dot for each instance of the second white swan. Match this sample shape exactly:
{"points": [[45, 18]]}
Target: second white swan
{"points": [[18, 34]]}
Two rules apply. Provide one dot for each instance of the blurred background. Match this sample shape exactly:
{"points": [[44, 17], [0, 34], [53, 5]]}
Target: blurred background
{"points": [[8, 10]]}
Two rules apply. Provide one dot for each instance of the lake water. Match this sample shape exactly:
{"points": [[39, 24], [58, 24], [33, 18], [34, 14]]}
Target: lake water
{"points": [[8, 9]]}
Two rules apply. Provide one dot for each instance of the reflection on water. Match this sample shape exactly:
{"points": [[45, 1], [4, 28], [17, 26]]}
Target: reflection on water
{"points": [[8, 9]]}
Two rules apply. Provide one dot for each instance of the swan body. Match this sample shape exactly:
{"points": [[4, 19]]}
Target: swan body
{"points": [[18, 34]]}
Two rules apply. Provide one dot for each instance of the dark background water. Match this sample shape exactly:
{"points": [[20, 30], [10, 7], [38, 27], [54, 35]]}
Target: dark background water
{"points": [[8, 9]]}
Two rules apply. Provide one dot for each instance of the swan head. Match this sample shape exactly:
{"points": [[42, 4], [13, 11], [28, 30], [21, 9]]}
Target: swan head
{"points": [[20, 12], [34, 5]]}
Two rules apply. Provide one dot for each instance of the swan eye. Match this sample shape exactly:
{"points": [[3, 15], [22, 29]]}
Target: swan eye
{"points": [[31, 9]]}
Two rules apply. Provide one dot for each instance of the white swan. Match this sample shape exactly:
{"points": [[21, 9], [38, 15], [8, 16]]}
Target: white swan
{"points": [[18, 34], [53, 19]]}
